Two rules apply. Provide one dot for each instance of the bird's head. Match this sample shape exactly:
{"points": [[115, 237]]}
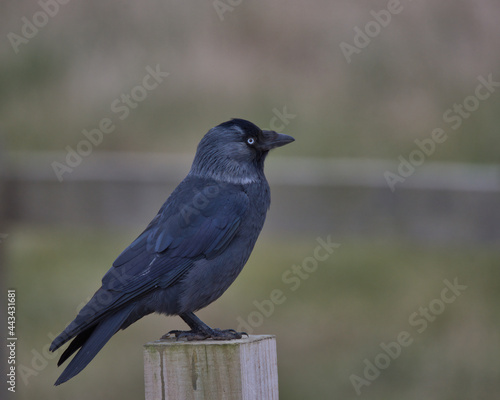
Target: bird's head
{"points": [[234, 151]]}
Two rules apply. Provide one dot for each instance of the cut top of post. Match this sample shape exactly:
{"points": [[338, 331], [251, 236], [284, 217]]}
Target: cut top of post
{"points": [[241, 369]]}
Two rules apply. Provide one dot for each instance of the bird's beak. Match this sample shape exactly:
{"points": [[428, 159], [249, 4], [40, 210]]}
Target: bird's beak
{"points": [[273, 139]]}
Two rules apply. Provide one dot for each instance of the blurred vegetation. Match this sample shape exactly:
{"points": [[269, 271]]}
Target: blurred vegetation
{"points": [[361, 296], [261, 56]]}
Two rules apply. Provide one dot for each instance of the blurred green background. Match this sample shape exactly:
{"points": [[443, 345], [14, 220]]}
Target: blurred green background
{"points": [[259, 60]]}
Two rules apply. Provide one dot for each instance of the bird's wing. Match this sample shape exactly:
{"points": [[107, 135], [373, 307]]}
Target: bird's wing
{"points": [[194, 223]]}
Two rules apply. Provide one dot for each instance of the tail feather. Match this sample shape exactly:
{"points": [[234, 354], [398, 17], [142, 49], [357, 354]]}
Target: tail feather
{"points": [[88, 317], [91, 342], [78, 342]]}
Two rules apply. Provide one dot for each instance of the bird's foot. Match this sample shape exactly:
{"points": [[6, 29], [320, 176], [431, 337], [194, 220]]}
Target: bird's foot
{"points": [[189, 335], [214, 334]]}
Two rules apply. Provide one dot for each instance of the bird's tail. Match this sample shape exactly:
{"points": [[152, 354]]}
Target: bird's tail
{"points": [[90, 342]]}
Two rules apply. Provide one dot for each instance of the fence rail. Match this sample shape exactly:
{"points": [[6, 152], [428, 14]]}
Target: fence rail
{"points": [[293, 171], [439, 202]]}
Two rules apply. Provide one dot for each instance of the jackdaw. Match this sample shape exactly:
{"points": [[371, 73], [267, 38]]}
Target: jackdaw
{"points": [[191, 252]]}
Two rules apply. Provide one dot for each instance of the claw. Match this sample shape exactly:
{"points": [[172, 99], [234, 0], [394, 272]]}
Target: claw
{"points": [[226, 334], [169, 334]]}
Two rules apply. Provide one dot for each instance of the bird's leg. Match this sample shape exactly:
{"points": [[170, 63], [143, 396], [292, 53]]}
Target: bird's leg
{"points": [[201, 331]]}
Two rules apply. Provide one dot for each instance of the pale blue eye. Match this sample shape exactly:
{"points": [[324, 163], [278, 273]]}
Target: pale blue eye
{"points": [[250, 140]]}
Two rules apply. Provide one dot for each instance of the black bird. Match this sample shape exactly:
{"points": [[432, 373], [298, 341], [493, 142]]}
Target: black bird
{"points": [[191, 252]]}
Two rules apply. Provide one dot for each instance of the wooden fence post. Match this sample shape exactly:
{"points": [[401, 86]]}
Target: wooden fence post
{"points": [[243, 369]]}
